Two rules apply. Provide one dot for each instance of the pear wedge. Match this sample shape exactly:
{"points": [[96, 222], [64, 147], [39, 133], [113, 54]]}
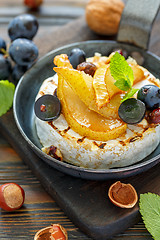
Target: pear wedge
{"points": [[109, 80], [138, 73], [99, 85], [62, 61], [82, 85], [84, 121]]}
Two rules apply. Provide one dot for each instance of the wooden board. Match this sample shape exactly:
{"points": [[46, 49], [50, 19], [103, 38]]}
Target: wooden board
{"points": [[85, 202]]}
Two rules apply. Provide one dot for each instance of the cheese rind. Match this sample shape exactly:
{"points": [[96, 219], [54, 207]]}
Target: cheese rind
{"points": [[139, 141]]}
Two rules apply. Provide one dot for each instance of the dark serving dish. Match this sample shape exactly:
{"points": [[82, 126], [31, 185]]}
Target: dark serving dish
{"points": [[28, 88]]}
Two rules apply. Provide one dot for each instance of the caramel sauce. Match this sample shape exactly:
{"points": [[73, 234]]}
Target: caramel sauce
{"points": [[89, 118]]}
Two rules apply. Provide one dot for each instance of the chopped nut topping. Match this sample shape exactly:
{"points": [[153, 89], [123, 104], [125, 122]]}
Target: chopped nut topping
{"points": [[53, 152]]}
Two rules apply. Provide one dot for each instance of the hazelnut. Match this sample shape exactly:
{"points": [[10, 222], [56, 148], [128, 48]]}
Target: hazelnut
{"points": [[123, 195], [11, 196], [103, 16]]}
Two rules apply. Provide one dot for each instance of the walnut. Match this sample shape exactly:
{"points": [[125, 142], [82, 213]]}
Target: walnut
{"points": [[103, 16]]}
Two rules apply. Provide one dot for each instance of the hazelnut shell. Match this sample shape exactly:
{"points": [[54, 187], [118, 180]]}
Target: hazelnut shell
{"points": [[123, 195], [45, 233]]}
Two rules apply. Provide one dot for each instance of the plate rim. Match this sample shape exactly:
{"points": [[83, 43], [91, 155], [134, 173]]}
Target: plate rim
{"points": [[97, 172]]}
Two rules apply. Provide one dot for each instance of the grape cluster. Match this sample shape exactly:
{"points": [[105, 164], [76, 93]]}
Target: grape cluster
{"points": [[22, 52]]}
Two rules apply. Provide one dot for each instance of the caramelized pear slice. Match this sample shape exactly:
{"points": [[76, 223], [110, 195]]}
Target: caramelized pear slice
{"points": [[109, 80], [99, 85], [138, 73], [82, 85], [62, 61], [85, 121], [80, 82]]}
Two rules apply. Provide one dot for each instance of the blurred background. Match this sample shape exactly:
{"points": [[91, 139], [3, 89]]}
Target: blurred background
{"points": [[50, 13]]}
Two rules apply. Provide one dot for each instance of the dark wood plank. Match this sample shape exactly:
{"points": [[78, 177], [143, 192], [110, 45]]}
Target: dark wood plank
{"points": [[72, 194], [39, 209]]}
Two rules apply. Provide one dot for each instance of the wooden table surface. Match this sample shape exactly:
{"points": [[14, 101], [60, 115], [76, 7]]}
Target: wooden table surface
{"points": [[39, 209]]}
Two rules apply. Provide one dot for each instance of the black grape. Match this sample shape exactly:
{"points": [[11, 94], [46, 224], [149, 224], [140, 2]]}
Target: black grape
{"points": [[77, 56], [23, 26], [5, 67], [18, 72], [23, 51], [47, 107]]}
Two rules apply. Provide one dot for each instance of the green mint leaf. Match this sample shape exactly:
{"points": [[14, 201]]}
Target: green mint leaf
{"points": [[130, 83], [6, 96], [150, 211], [122, 84], [123, 75], [120, 69], [130, 94]]}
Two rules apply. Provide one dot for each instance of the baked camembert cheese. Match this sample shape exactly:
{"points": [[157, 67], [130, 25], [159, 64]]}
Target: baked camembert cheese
{"points": [[89, 132]]}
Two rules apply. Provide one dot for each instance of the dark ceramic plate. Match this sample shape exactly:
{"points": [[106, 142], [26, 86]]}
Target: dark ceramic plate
{"points": [[28, 88]]}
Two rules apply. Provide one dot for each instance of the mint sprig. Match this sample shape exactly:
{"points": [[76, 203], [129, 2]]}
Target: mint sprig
{"points": [[150, 210], [6, 96], [123, 74]]}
